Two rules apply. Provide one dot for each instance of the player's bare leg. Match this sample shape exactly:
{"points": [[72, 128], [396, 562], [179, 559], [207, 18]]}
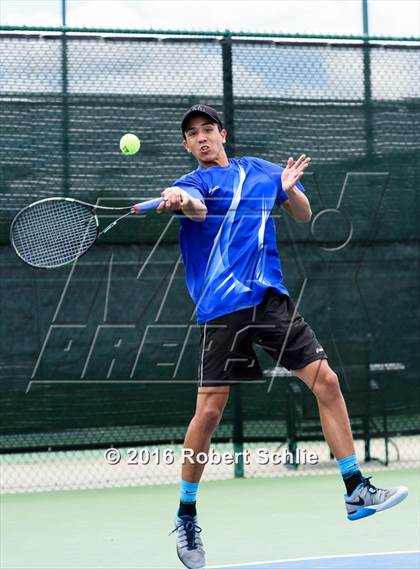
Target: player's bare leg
{"points": [[362, 498], [210, 405], [324, 384]]}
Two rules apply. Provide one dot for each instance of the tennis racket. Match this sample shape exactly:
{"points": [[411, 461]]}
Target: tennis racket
{"points": [[53, 232]]}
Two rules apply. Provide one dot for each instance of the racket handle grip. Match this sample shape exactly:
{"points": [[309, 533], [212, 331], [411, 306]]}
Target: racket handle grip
{"points": [[142, 207]]}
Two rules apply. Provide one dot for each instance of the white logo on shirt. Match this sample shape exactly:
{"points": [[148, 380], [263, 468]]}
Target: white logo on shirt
{"points": [[212, 190]]}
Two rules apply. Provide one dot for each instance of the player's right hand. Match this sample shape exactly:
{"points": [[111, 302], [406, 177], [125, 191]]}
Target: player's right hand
{"points": [[173, 199]]}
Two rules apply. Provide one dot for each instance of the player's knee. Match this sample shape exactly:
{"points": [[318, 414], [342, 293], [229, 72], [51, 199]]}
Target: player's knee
{"points": [[209, 417], [327, 387]]}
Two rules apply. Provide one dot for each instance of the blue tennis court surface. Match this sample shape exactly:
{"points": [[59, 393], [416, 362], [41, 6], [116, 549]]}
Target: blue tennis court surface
{"points": [[398, 560]]}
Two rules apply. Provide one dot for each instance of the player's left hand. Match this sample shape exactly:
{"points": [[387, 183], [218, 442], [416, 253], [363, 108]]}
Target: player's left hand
{"points": [[174, 199], [293, 171]]}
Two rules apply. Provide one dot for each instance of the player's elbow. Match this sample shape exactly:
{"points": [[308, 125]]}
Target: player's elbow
{"points": [[305, 217]]}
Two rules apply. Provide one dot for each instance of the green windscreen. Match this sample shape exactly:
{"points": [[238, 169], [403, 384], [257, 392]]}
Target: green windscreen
{"points": [[106, 352]]}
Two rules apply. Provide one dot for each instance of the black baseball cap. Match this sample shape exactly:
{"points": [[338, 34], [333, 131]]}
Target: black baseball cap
{"points": [[201, 110]]}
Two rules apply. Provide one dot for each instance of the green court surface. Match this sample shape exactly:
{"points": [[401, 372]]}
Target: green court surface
{"points": [[243, 520]]}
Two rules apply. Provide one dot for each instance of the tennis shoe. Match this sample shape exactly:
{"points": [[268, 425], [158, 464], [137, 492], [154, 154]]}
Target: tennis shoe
{"points": [[189, 545], [366, 499]]}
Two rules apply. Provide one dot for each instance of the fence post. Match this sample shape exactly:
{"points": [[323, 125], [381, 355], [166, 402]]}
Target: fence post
{"points": [[238, 431], [228, 105], [229, 123], [65, 109], [367, 82]]}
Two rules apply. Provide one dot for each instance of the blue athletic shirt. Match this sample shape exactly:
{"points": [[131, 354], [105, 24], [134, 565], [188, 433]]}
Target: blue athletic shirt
{"points": [[231, 258]]}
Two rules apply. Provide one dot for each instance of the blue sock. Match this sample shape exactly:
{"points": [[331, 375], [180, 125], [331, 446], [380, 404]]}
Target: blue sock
{"points": [[350, 471], [189, 491], [348, 466]]}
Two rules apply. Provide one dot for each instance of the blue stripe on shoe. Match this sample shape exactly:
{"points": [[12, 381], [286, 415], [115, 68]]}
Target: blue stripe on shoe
{"points": [[361, 513]]}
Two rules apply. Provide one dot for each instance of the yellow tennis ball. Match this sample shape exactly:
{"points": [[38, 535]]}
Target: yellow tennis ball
{"points": [[130, 144]]}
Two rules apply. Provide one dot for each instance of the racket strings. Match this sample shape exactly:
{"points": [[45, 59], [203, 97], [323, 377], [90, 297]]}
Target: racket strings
{"points": [[54, 233]]}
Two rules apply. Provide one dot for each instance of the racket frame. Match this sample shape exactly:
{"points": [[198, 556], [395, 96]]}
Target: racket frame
{"points": [[135, 209]]}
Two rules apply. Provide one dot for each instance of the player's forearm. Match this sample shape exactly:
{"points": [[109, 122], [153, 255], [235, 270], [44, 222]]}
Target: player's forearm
{"points": [[194, 209], [299, 205]]}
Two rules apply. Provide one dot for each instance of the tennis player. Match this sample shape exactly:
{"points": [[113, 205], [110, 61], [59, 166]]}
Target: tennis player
{"points": [[233, 273]]}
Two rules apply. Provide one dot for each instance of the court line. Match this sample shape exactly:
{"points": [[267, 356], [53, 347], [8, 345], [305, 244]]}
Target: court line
{"points": [[257, 563]]}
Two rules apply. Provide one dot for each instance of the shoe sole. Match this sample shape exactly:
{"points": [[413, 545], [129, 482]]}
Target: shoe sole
{"points": [[390, 503]]}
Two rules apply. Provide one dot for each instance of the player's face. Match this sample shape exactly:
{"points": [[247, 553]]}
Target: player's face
{"points": [[205, 142]]}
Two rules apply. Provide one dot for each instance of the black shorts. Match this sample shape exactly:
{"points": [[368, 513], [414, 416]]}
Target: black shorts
{"points": [[227, 355]]}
